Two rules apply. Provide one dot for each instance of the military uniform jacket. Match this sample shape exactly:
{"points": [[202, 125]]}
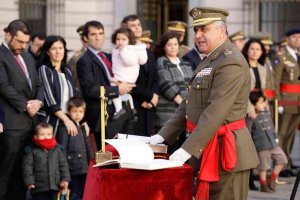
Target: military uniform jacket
{"points": [[287, 72], [218, 95]]}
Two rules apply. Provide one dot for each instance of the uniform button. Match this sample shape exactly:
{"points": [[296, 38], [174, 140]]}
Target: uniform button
{"points": [[190, 87], [200, 150], [79, 155], [197, 86], [186, 101]]}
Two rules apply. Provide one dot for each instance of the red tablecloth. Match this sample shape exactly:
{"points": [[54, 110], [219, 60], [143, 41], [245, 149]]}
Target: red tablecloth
{"points": [[127, 184]]}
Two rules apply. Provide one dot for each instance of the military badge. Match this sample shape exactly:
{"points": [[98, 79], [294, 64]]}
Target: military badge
{"points": [[276, 61], [228, 52], [289, 63], [196, 13], [204, 72]]}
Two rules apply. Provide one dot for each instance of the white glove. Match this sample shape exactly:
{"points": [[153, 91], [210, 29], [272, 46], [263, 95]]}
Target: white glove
{"points": [[280, 109], [180, 155], [156, 139]]}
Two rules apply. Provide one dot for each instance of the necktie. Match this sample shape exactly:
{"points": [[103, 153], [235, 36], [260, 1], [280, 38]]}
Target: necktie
{"points": [[22, 67], [298, 57], [106, 62]]}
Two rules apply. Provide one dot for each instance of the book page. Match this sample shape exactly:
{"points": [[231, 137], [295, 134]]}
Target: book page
{"points": [[153, 165], [132, 150], [144, 139]]}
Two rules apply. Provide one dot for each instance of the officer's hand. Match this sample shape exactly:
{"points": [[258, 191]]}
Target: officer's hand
{"points": [[280, 109], [180, 155], [156, 139]]}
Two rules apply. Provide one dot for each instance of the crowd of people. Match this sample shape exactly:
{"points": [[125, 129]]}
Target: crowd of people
{"points": [[220, 92]]}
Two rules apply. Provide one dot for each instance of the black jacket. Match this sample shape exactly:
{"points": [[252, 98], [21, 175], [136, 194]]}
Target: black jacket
{"points": [[45, 169], [92, 74], [193, 57], [78, 149], [146, 86]]}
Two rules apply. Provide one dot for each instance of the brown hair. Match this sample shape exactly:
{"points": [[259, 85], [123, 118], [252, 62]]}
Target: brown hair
{"points": [[125, 31], [76, 102], [17, 25]]}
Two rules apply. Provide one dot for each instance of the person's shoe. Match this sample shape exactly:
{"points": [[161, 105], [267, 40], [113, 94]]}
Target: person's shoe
{"points": [[265, 188], [285, 173], [119, 114], [271, 183], [279, 182], [253, 187], [294, 172]]}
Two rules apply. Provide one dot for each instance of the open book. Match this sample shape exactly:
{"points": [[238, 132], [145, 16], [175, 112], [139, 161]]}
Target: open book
{"points": [[135, 154]]}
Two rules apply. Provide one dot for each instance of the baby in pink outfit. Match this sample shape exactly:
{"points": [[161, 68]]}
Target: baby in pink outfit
{"points": [[127, 56]]}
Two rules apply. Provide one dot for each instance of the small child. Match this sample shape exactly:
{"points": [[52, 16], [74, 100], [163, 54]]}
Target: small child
{"points": [[78, 148], [127, 56], [265, 140], [45, 168]]}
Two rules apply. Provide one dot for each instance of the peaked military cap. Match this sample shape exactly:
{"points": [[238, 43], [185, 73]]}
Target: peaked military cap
{"points": [[237, 36], [264, 37], [207, 15], [146, 36], [79, 30], [292, 32], [177, 26]]}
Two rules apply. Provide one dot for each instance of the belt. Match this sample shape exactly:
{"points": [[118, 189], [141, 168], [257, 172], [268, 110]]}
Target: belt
{"points": [[290, 88], [209, 170]]}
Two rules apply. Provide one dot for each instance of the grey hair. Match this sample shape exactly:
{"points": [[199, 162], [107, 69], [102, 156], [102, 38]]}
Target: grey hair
{"points": [[221, 24]]}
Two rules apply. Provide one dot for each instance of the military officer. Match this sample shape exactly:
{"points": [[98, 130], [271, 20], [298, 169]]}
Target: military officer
{"points": [[145, 38], [214, 113], [74, 59], [287, 90], [179, 27], [238, 39]]}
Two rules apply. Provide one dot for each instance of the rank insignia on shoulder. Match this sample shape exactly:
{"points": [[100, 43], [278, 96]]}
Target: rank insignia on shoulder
{"points": [[228, 52]]}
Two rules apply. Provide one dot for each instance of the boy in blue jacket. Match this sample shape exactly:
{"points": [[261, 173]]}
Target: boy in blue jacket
{"points": [[266, 143]]}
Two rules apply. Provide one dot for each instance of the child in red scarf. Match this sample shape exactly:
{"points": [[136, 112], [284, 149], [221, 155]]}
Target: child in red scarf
{"points": [[45, 168]]}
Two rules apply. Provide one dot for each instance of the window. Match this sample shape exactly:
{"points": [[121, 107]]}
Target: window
{"points": [[33, 12]]}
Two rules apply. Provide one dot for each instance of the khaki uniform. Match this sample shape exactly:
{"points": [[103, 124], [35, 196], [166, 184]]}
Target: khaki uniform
{"points": [[72, 64], [183, 49], [218, 94], [287, 72]]}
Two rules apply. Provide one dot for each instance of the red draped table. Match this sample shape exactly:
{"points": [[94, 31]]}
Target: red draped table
{"points": [[128, 184]]}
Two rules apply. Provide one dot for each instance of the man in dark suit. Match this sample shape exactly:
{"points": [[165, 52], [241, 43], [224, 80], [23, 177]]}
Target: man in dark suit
{"points": [[145, 93], [21, 94], [94, 70], [194, 56]]}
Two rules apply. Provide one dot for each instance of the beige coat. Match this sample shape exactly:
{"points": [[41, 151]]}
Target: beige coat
{"points": [[218, 94], [264, 80]]}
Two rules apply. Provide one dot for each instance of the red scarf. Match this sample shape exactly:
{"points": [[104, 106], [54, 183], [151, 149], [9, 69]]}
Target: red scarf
{"points": [[209, 169], [46, 143]]}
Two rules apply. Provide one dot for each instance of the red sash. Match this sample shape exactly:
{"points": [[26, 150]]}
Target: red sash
{"points": [[270, 94], [209, 171], [290, 88]]}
